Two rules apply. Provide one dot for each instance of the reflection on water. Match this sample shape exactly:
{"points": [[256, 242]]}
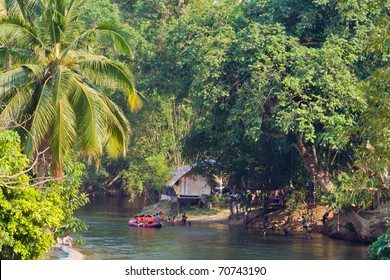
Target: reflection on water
{"points": [[110, 237], [112, 206]]}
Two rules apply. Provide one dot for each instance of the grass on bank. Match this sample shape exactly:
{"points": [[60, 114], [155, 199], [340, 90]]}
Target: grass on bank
{"points": [[170, 210]]}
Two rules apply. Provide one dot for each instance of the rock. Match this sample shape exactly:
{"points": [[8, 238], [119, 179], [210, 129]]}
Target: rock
{"points": [[363, 227]]}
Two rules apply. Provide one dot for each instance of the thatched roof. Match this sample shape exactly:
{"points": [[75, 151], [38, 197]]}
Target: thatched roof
{"points": [[179, 174]]}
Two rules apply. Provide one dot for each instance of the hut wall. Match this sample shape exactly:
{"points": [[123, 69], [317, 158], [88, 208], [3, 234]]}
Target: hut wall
{"points": [[194, 185]]}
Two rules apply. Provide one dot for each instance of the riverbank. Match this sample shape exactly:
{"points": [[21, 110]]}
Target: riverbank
{"points": [[63, 252], [222, 216], [71, 254], [338, 225], [349, 226], [277, 218], [193, 214]]}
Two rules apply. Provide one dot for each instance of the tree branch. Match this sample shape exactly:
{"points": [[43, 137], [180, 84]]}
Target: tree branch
{"points": [[37, 185], [274, 135], [25, 171]]}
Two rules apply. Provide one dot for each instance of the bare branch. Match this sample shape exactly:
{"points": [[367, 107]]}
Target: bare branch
{"points": [[25, 170], [9, 180], [37, 185], [274, 135]]}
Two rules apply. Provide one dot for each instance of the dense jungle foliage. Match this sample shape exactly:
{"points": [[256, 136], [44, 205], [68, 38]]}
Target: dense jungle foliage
{"points": [[278, 92]]}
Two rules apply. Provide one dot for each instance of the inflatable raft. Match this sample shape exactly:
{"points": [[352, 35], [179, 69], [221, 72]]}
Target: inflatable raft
{"points": [[134, 223]]}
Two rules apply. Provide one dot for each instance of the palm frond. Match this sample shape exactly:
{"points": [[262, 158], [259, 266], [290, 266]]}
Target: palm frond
{"points": [[10, 8], [115, 144], [22, 9], [42, 119], [19, 55], [103, 35], [64, 130], [52, 23], [118, 130], [102, 71], [94, 66], [118, 117], [13, 79], [134, 101], [64, 126], [79, 43], [35, 69], [16, 102], [19, 33], [73, 10], [71, 16], [62, 94], [113, 35], [92, 123]]}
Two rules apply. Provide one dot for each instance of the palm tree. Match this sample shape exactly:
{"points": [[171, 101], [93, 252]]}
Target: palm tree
{"points": [[59, 83]]}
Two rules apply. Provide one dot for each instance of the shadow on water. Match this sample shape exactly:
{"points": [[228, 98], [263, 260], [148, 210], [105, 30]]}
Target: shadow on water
{"points": [[110, 238]]}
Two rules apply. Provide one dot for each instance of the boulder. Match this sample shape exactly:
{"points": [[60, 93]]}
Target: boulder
{"points": [[363, 226]]}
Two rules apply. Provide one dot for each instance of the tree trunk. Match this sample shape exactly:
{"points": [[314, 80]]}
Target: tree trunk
{"points": [[361, 225], [354, 227], [57, 170], [311, 164], [44, 158], [8, 64], [42, 168], [180, 6]]}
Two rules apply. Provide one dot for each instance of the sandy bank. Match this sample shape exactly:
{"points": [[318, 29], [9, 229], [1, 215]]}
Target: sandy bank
{"points": [[68, 253], [209, 219], [71, 254], [221, 217]]}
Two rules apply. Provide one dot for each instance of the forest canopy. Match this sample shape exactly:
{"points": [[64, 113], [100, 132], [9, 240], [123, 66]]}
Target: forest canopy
{"points": [[278, 92]]}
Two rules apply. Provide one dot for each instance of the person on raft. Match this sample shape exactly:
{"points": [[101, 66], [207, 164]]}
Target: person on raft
{"points": [[162, 215], [157, 218]]}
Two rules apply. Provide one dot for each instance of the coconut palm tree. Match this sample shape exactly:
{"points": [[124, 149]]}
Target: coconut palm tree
{"points": [[59, 83]]}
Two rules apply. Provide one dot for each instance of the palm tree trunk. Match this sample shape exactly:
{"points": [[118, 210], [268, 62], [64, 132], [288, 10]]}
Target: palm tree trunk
{"points": [[46, 160], [57, 169], [8, 63], [180, 5], [42, 167]]}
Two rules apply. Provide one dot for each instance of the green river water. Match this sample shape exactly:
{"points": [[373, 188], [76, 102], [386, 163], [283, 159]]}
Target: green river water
{"points": [[110, 238]]}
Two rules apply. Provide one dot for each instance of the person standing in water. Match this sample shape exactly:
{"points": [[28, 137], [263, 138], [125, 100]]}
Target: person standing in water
{"points": [[304, 222], [184, 219], [67, 241]]}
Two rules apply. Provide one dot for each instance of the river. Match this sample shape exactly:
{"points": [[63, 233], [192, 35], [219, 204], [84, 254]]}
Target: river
{"points": [[110, 238]]}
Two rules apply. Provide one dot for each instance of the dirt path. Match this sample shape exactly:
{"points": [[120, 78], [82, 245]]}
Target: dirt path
{"points": [[222, 216]]}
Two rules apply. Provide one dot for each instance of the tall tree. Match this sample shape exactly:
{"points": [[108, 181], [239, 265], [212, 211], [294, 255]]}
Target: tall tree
{"points": [[158, 129], [60, 84]]}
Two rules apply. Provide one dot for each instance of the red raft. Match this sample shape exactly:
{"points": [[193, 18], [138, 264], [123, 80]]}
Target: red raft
{"points": [[134, 223]]}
